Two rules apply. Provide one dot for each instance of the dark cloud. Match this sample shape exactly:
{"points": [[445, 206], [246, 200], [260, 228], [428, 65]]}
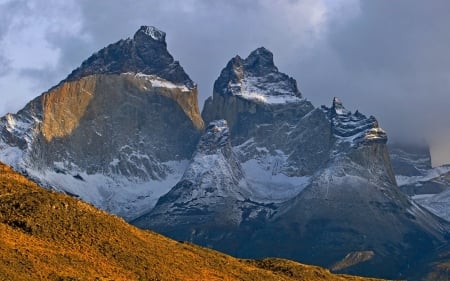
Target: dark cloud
{"points": [[390, 61]]}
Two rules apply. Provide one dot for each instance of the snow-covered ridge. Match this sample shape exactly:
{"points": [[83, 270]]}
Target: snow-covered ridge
{"points": [[158, 82], [260, 90], [354, 128], [256, 78]]}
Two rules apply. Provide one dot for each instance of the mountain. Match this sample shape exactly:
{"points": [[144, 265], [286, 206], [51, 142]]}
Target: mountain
{"points": [[428, 186], [413, 170], [436, 203], [313, 184], [270, 175], [117, 132], [51, 236]]}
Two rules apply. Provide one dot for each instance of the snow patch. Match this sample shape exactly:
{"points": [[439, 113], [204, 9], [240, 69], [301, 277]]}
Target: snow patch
{"points": [[113, 193], [260, 90], [153, 32], [158, 82], [267, 184], [430, 174]]}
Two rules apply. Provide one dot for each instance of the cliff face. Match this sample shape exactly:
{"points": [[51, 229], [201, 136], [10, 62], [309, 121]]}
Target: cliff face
{"points": [[126, 118], [99, 121]]}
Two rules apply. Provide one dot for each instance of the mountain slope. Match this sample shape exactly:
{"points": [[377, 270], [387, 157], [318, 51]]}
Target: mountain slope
{"points": [[51, 236], [212, 198], [117, 132]]}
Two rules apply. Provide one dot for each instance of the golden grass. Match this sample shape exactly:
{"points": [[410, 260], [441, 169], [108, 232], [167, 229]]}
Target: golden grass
{"points": [[50, 236]]}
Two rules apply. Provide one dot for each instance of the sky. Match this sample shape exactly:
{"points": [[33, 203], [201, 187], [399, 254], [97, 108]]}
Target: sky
{"points": [[385, 58]]}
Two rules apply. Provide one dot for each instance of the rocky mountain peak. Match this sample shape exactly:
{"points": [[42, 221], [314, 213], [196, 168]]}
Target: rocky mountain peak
{"points": [[338, 108], [354, 128], [146, 53], [151, 31], [261, 61], [257, 79]]}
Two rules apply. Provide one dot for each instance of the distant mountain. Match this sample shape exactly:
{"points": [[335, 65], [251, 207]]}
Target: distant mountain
{"points": [[428, 186], [117, 132], [414, 174], [51, 236]]}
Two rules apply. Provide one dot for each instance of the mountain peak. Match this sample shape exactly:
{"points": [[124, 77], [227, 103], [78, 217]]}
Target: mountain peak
{"points": [[146, 53], [338, 108], [261, 59], [151, 31], [256, 78], [354, 128]]}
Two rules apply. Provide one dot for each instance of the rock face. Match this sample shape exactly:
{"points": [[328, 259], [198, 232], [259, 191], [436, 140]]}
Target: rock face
{"points": [[118, 132], [316, 184]]}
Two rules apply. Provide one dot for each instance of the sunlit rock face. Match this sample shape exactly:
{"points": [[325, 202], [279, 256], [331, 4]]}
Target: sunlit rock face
{"points": [[126, 117]]}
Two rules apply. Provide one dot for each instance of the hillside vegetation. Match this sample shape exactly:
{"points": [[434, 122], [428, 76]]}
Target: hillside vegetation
{"points": [[50, 236]]}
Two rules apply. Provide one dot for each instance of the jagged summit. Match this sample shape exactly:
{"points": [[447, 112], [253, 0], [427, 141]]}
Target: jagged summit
{"points": [[261, 62], [146, 53], [256, 78], [338, 108], [151, 31], [354, 128]]}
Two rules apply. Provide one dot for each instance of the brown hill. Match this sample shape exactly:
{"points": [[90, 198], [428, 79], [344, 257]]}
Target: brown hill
{"points": [[50, 236]]}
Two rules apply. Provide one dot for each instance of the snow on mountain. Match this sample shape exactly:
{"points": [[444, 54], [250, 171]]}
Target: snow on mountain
{"points": [[256, 78], [353, 128], [213, 193], [153, 32], [438, 203], [157, 82]]}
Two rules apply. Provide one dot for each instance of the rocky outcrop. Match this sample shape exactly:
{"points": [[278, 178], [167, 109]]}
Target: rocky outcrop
{"points": [[124, 121]]}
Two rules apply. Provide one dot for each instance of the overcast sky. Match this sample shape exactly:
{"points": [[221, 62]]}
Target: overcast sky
{"points": [[386, 58]]}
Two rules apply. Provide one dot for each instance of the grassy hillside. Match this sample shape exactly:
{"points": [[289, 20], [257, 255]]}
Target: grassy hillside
{"points": [[51, 236]]}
